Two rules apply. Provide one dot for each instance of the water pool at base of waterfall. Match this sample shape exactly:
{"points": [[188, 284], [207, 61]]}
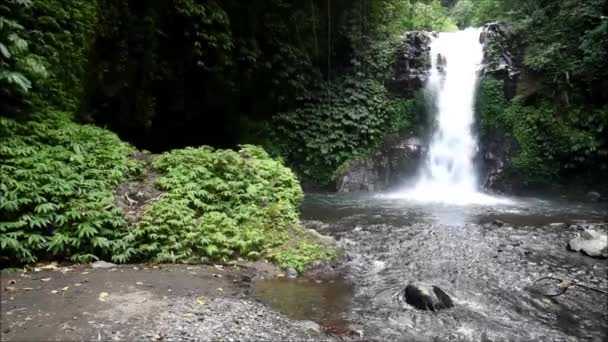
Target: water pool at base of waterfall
{"points": [[486, 252], [486, 257]]}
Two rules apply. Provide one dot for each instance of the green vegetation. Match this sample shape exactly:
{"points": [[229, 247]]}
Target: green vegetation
{"points": [[300, 250], [351, 114], [218, 204], [560, 118], [56, 196], [18, 64], [552, 143], [303, 78], [320, 136]]}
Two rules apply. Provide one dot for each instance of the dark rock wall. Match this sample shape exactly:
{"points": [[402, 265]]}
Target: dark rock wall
{"points": [[412, 66], [395, 162]]}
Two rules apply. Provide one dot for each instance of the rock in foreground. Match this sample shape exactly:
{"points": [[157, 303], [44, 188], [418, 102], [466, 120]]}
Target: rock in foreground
{"points": [[590, 242], [425, 297]]}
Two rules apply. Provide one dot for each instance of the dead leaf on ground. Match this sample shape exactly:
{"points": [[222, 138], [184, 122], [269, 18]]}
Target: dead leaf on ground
{"points": [[201, 301]]}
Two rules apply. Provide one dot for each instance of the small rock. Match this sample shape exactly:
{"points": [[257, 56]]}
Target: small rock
{"points": [[102, 264], [310, 326], [591, 243], [498, 223], [557, 225], [292, 273], [425, 297]]}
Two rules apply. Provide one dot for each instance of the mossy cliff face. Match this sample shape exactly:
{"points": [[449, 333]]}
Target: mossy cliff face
{"points": [[397, 157], [529, 140]]}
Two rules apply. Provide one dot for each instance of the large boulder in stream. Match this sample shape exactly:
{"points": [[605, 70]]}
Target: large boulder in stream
{"points": [[591, 243], [425, 297]]}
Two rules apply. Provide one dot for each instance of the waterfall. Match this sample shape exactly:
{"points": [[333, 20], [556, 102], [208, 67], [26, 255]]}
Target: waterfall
{"points": [[448, 174]]}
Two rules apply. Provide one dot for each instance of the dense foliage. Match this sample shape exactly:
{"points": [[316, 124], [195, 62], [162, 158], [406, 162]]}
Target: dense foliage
{"points": [[328, 131], [351, 114], [559, 121], [179, 73], [303, 78], [553, 143], [218, 204], [56, 197], [58, 177], [18, 64]]}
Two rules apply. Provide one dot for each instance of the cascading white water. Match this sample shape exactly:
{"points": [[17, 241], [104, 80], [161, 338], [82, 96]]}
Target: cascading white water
{"points": [[448, 175]]}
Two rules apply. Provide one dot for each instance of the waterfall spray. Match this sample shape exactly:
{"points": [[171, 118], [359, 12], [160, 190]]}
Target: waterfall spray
{"points": [[448, 173]]}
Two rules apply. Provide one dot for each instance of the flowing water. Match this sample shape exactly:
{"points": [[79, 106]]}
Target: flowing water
{"points": [[448, 175], [486, 252], [489, 270]]}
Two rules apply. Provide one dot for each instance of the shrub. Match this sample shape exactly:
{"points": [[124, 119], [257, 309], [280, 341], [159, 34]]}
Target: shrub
{"points": [[56, 194], [219, 204]]}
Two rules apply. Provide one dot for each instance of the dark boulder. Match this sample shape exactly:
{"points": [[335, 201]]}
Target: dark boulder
{"points": [[425, 297], [396, 161]]}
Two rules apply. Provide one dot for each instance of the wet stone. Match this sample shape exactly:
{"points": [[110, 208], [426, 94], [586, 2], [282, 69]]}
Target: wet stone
{"points": [[591, 243], [425, 297], [102, 264]]}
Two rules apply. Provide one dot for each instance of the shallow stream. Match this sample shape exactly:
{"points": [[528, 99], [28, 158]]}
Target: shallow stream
{"points": [[486, 257]]}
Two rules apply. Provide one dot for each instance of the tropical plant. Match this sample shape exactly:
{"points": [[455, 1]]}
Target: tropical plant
{"points": [[56, 197], [18, 67], [219, 204]]}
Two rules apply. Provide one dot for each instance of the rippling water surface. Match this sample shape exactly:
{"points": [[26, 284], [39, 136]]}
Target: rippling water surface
{"points": [[489, 270]]}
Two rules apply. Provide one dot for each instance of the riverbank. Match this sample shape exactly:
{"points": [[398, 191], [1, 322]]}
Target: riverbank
{"points": [[145, 302]]}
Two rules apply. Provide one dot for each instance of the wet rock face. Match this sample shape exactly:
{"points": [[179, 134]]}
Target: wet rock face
{"points": [[391, 164], [498, 56], [425, 297], [499, 62], [413, 63], [591, 243]]}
